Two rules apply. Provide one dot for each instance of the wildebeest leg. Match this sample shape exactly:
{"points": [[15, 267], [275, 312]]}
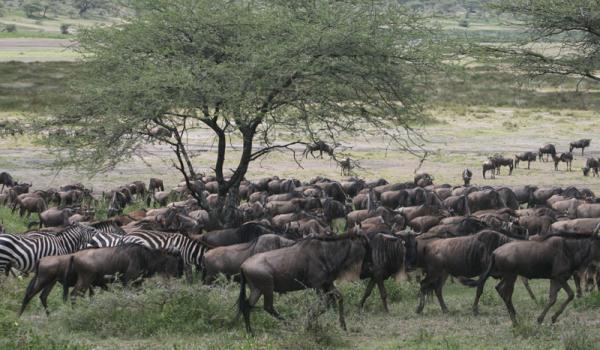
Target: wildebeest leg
{"points": [[189, 276], [528, 288], [505, 288], [426, 285], [336, 293], [528, 164], [268, 304], [383, 294], [370, 286], [438, 292], [577, 280], [44, 297], [554, 288], [570, 297]]}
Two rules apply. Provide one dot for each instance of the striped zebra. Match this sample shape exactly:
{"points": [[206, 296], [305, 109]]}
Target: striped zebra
{"points": [[191, 251], [108, 235], [21, 252]]}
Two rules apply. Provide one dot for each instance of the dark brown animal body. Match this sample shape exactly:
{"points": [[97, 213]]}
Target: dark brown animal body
{"points": [[547, 149], [489, 166], [583, 143], [555, 258], [227, 260], [460, 256], [592, 164], [310, 263], [525, 157], [565, 158], [130, 262]]}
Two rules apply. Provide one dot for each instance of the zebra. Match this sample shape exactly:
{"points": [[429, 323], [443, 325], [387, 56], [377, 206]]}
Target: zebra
{"points": [[191, 251], [22, 252], [108, 235]]}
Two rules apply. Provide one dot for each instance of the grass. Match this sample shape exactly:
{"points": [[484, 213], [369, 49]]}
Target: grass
{"points": [[167, 315]]}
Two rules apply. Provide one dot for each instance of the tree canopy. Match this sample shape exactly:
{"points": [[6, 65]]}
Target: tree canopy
{"points": [[564, 37], [315, 70]]}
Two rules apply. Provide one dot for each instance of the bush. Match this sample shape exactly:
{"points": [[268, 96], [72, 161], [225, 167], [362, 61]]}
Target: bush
{"points": [[32, 9], [64, 28], [11, 28], [464, 23]]}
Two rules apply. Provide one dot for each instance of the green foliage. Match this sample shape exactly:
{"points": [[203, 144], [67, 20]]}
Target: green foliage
{"points": [[33, 9], [573, 23], [464, 23]]}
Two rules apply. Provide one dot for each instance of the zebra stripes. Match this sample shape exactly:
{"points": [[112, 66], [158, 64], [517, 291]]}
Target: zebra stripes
{"points": [[22, 252], [108, 235], [191, 251]]}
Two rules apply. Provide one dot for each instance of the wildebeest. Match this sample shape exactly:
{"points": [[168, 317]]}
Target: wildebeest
{"points": [[499, 161], [566, 157], [389, 254], [48, 271], [489, 166], [583, 143], [525, 157], [547, 149], [555, 258], [128, 262], [155, 184], [29, 204], [228, 259], [591, 164], [310, 263], [321, 147], [6, 180], [458, 256], [466, 176], [591, 210], [485, 199]]}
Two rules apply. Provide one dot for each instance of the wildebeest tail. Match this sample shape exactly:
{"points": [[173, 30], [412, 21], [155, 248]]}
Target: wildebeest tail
{"points": [[30, 287], [482, 278], [243, 304]]}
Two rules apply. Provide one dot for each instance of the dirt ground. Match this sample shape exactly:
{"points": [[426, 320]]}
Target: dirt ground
{"points": [[454, 143]]}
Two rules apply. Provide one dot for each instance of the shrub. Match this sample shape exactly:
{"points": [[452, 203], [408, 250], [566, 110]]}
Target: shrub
{"points": [[464, 23], [11, 28], [32, 9], [64, 28]]}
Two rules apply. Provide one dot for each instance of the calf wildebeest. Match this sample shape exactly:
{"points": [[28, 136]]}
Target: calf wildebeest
{"points": [[591, 164], [489, 166], [228, 259], [6, 180], [310, 263], [566, 157], [389, 254], [555, 258], [458, 256], [583, 143], [525, 157], [129, 262], [466, 176], [547, 149]]}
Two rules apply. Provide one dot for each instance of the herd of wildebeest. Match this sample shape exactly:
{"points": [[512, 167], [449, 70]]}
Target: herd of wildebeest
{"points": [[288, 235]]}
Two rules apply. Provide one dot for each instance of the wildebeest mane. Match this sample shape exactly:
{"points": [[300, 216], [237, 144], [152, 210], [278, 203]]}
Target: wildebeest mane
{"points": [[252, 230]]}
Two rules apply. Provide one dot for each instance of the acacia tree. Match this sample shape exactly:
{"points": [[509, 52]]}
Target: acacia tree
{"points": [[573, 24], [249, 69]]}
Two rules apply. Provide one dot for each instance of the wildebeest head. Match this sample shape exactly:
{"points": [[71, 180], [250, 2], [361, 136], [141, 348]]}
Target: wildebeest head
{"points": [[409, 238]]}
